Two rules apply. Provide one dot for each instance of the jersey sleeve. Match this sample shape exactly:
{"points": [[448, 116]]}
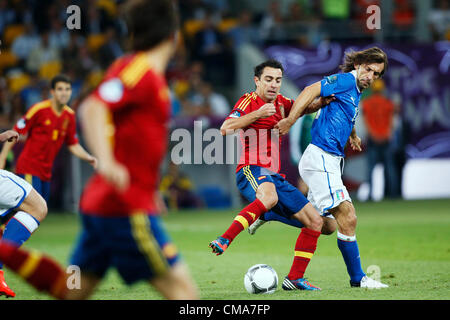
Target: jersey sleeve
{"points": [[71, 135], [113, 93], [336, 83], [239, 108], [24, 124]]}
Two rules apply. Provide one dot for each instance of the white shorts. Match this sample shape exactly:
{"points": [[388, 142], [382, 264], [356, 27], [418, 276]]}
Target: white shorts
{"points": [[13, 190], [322, 172]]}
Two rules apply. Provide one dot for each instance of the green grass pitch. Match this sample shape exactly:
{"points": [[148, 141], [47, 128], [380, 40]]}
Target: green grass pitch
{"points": [[408, 240]]}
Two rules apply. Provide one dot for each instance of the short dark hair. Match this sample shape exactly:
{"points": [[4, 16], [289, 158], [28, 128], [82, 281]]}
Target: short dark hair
{"points": [[150, 22], [371, 55], [271, 63], [59, 78]]}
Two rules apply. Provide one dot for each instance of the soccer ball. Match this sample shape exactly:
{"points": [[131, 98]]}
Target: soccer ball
{"points": [[261, 278]]}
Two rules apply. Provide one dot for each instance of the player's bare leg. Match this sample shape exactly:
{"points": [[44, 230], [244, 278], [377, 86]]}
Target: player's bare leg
{"points": [[176, 284], [20, 229], [345, 215], [329, 226], [34, 205], [266, 199]]}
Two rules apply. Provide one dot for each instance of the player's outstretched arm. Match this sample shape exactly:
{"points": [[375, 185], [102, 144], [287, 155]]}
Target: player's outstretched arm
{"points": [[230, 125], [10, 138], [319, 103], [94, 115], [304, 99], [78, 151], [355, 141]]}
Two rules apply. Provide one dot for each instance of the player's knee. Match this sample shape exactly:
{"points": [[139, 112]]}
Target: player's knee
{"points": [[43, 210], [329, 226], [269, 200], [316, 223], [40, 208]]}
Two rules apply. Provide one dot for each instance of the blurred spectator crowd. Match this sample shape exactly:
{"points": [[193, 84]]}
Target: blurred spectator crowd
{"points": [[36, 44]]}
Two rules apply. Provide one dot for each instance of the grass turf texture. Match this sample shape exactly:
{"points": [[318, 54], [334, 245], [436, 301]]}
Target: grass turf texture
{"points": [[408, 240]]}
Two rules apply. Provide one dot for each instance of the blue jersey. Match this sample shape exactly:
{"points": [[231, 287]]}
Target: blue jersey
{"points": [[334, 123]]}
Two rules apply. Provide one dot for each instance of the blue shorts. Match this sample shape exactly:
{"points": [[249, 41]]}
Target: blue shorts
{"points": [[137, 246], [290, 199], [42, 187]]}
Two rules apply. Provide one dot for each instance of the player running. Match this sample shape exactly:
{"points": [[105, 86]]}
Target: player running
{"points": [[257, 174], [322, 162], [48, 124], [126, 125], [20, 204]]}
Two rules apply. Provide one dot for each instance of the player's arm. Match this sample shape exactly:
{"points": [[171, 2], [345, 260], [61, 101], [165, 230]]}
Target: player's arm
{"points": [[10, 138], [94, 115], [230, 125], [304, 99], [78, 151], [355, 141], [318, 103]]}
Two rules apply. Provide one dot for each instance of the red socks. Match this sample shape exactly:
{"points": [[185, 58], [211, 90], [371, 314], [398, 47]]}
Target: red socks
{"points": [[246, 217], [304, 249], [38, 270]]}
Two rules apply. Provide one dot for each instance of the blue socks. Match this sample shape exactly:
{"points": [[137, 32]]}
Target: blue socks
{"points": [[272, 216], [19, 229], [350, 253]]}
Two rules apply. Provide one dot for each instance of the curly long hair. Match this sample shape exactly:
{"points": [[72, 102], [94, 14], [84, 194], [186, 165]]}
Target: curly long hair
{"points": [[371, 55]]}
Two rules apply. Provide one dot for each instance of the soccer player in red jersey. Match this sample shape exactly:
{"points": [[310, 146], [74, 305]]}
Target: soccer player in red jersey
{"points": [[125, 122], [257, 174], [48, 124]]}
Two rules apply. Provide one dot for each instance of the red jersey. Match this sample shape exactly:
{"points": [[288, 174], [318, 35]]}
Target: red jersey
{"points": [[259, 145], [138, 101], [47, 131]]}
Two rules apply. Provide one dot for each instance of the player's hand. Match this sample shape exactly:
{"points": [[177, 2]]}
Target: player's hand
{"points": [[116, 174], [267, 110], [323, 101], [283, 126], [160, 204], [9, 135], [355, 143], [93, 162]]}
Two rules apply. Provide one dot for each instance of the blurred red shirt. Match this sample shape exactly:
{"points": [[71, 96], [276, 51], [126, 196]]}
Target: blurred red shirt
{"points": [[138, 101], [378, 114]]}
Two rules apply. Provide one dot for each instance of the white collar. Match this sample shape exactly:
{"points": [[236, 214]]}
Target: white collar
{"points": [[354, 73]]}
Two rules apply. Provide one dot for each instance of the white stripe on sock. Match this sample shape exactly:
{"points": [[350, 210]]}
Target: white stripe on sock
{"points": [[27, 220], [343, 237]]}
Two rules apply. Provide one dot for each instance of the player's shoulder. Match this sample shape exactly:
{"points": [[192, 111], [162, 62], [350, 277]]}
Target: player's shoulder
{"points": [[245, 101], [345, 78], [69, 110], [130, 69], [42, 105], [283, 99]]}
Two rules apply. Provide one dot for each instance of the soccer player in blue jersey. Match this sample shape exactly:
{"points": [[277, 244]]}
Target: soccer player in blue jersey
{"points": [[322, 162]]}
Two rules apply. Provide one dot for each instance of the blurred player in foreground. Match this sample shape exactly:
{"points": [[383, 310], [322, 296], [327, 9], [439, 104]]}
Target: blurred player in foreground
{"points": [[21, 205], [322, 163], [125, 123], [48, 124], [257, 174]]}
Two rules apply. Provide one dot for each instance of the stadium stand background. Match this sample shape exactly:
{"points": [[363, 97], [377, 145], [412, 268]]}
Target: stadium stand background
{"points": [[220, 42]]}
